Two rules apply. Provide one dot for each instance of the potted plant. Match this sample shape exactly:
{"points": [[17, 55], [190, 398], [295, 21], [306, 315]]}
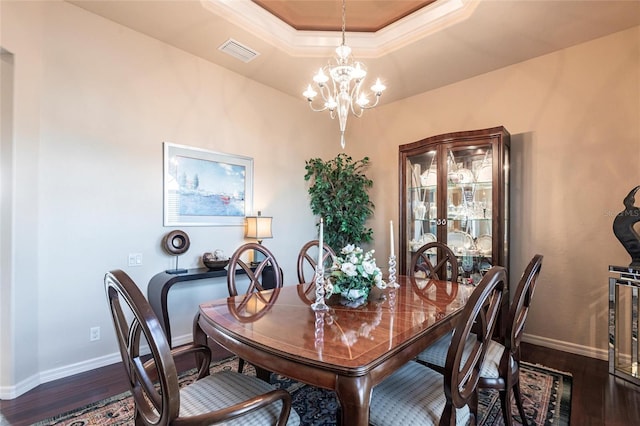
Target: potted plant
{"points": [[339, 195]]}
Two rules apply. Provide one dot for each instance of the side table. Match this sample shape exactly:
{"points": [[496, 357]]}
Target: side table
{"points": [[623, 323]]}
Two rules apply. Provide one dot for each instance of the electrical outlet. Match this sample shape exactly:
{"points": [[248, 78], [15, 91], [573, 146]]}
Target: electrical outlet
{"points": [[135, 259], [94, 333]]}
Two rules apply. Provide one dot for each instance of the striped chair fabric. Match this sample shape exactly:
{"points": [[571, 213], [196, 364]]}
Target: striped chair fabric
{"points": [[417, 398], [226, 388]]}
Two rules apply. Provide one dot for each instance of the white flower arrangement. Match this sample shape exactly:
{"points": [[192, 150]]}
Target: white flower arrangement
{"points": [[354, 269]]}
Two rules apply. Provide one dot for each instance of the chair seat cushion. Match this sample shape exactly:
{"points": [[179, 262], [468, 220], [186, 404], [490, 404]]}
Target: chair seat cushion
{"points": [[436, 354], [413, 395], [220, 390]]}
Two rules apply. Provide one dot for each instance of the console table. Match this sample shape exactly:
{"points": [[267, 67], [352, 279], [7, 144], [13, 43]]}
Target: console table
{"points": [[160, 284], [623, 322]]}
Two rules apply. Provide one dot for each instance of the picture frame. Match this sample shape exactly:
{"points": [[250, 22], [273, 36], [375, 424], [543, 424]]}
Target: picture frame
{"points": [[205, 188]]}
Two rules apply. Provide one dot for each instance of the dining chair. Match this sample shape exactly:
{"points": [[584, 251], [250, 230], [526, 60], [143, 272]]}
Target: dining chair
{"points": [[501, 367], [307, 261], [446, 268], [417, 395], [149, 362], [263, 275]]}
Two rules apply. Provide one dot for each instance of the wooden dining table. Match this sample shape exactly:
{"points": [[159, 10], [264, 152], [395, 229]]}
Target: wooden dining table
{"points": [[345, 349]]}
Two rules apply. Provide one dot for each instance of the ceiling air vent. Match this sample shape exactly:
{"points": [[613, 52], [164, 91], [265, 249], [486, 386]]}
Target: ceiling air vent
{"points": [[238, 50]]}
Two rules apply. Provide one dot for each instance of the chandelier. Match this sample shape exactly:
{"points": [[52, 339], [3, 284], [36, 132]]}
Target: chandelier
{"points": [[340, 83]]}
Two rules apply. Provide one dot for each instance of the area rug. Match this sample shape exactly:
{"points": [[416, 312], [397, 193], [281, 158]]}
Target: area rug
{"points": [[546, 394]]}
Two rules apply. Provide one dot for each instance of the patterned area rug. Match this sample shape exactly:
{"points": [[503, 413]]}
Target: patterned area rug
{"points": [[546, 393]]}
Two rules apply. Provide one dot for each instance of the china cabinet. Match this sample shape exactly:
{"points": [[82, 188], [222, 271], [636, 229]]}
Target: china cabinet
{"points": [[454, 188]]}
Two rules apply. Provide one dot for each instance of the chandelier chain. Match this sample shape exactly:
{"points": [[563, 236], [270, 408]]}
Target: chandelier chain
{"points": [[344, 20]]}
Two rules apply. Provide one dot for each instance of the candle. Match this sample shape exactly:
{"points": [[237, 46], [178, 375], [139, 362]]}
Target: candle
{"points": [[321, 244], [391, 233]]}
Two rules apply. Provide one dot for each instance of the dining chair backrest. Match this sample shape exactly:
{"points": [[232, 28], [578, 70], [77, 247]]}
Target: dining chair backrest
{"points": [[501, 370], [262, 275], [446, 267], [479, 316], [519, 308], [136, 325], [149, 363]]}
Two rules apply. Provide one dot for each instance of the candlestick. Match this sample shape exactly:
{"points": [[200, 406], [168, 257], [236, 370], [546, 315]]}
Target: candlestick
{"points": [[321, 243], [391, 239], [319, 304], [392, 272], [319, 334]]}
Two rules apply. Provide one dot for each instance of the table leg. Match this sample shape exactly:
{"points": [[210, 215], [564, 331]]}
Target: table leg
{"points": [[262, 374], [354, 394], [199, 337]]}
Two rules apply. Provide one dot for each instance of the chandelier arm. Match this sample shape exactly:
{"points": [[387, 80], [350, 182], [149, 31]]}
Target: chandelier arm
{"points": [[314, 109], [325, 92], [356, 111], [356, 108], [374, 104]]}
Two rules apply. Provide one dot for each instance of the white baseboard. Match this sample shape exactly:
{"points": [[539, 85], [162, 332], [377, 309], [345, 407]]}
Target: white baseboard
{"points": [[12, 392], [566, 347]]}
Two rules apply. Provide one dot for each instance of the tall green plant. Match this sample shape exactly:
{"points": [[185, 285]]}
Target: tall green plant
{"points": [[338, 193]]}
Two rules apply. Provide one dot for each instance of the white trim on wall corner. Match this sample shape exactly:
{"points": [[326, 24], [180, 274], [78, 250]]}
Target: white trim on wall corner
{"points": [[573, 348]]}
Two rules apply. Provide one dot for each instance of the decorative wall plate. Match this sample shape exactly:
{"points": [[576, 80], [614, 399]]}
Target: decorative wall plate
{"points": [[465, 176], [484, 173], [484, 244], [429, 177], [422, 240], [459, 241]]}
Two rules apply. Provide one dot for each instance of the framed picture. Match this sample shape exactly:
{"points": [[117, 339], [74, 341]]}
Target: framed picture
{"points": [[206, 188]]}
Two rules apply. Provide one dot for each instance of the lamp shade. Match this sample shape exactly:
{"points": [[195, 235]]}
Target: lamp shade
{"points": [[258, 227]]}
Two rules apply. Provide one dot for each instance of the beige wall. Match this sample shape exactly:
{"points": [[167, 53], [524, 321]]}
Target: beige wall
{"points": [[93, 102], [574, 117]]}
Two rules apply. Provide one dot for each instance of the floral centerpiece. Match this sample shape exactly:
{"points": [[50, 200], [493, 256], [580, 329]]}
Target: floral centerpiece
{"points": [[354, 273]]}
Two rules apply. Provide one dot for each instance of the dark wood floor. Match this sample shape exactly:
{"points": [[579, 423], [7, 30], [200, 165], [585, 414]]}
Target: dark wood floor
{"points": [[597, 398]]}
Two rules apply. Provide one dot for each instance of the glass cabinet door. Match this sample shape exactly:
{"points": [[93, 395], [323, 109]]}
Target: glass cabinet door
{"points": [[469, 208], [423, 199]]}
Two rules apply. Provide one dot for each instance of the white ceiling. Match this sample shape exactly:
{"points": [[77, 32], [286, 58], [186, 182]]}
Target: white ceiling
{"points": [[448, 41]]}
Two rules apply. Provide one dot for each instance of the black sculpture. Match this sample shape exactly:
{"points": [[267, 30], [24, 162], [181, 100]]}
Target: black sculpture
{"points": [[623, 228]]}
